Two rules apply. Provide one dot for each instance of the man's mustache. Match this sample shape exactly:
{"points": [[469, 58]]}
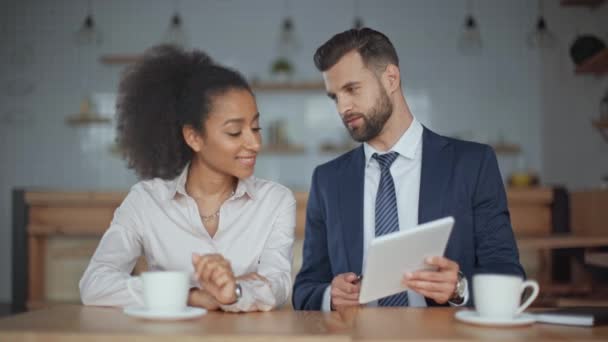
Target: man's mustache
{"points": [[352, 116]]}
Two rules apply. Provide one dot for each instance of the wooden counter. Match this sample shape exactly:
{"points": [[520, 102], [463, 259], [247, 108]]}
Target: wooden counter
{"points": [[77, 323]]}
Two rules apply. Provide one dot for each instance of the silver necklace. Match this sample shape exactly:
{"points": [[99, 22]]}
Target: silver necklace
{"points": [[215, 215]]}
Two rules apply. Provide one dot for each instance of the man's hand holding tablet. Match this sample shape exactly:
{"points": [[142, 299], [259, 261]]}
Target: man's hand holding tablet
{"points": [[410, 259]]}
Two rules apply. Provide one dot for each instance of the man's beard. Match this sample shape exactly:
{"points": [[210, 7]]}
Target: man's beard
{"points": [[373, 122]]}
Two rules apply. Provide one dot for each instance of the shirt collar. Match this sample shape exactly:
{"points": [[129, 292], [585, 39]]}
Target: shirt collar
{"points": [[178, 186], [406, 146], [245, 187]]}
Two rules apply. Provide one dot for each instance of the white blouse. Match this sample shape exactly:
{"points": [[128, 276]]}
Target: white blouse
{"points": [[159, 220]]}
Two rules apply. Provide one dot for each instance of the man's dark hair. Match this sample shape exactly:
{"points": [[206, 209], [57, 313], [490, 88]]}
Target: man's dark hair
{"points": [[375, 49], [157, 96]]}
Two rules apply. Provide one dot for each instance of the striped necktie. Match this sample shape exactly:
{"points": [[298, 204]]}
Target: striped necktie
{"points": [[387, 216]]}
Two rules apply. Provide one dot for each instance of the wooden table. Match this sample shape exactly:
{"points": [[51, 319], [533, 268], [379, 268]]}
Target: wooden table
{"points": [[78, 323]]}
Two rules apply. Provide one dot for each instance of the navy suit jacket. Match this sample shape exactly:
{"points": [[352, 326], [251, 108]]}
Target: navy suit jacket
{"points": [[458, 178]]}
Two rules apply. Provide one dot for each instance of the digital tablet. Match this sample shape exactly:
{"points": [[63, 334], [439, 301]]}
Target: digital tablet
{"points": [[390, 256]]}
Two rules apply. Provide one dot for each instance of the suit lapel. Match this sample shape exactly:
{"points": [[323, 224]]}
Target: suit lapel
{"points": [[435, 173], [351, 208], [436, 169]]}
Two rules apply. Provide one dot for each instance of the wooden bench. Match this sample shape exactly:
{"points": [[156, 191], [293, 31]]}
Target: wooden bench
{"points": [[41, 215]]}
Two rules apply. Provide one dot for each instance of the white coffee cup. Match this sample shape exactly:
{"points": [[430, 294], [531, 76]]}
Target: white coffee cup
{"points": [[165, 291], [499, 296]]}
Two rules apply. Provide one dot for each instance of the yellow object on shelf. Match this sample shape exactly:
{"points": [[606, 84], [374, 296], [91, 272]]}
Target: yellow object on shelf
{"points": [[523, 179]]}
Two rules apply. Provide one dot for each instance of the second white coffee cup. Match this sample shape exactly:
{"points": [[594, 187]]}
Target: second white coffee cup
{"points": [[499, 296], [164, 291]]}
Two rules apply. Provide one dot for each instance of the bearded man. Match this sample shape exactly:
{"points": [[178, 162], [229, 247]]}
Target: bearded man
{"points": [[402, 175]]}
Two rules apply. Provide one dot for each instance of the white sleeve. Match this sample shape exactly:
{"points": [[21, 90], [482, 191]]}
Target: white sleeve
{"points": [[108, 275], [326, 304]]}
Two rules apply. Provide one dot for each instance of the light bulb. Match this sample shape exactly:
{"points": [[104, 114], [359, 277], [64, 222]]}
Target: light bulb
{"points": [[175, 34], [288, 42], [470, 37], [358, 23], [88, 33], [541, 36]]}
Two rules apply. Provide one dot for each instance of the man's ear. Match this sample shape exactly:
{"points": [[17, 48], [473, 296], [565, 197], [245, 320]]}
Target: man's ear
{"points": [[193, 138], [391, 78]]}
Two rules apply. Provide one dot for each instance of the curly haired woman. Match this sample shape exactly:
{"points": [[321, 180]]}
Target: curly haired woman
{"points": [[190, 129]]}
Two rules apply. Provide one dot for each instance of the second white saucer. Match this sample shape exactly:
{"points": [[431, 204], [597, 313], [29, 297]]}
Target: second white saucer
{"points": [[471, 316]]}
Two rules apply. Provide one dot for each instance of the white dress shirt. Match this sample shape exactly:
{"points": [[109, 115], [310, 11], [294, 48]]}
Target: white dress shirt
{"points": [[406, 176], [159, 220]]}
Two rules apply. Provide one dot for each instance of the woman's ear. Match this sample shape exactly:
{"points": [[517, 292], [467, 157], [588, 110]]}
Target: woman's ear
{"points": [[192, 137], [391, 78]]}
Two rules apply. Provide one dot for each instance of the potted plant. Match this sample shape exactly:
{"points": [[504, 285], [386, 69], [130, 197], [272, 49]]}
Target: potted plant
{"points": [[282, 68]]}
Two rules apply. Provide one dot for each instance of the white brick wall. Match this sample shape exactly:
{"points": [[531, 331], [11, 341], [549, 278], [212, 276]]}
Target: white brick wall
{"points": [[506, 91]]}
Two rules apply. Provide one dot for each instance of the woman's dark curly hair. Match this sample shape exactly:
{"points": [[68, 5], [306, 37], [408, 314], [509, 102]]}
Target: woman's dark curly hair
{"points": [[168, 89]]}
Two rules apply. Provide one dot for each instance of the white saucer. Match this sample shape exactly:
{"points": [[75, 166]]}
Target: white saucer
{"points": [[471, 316], [141, 312]]}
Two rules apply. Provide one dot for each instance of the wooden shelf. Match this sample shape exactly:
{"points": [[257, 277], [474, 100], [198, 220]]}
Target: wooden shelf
{"points": [[602, 126], [283, 149], [118, 59], [597, 64], [560, 241], [599, 259], [587, 3], [123, 59], [503, 148], [86, 119], [287, 86]]}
